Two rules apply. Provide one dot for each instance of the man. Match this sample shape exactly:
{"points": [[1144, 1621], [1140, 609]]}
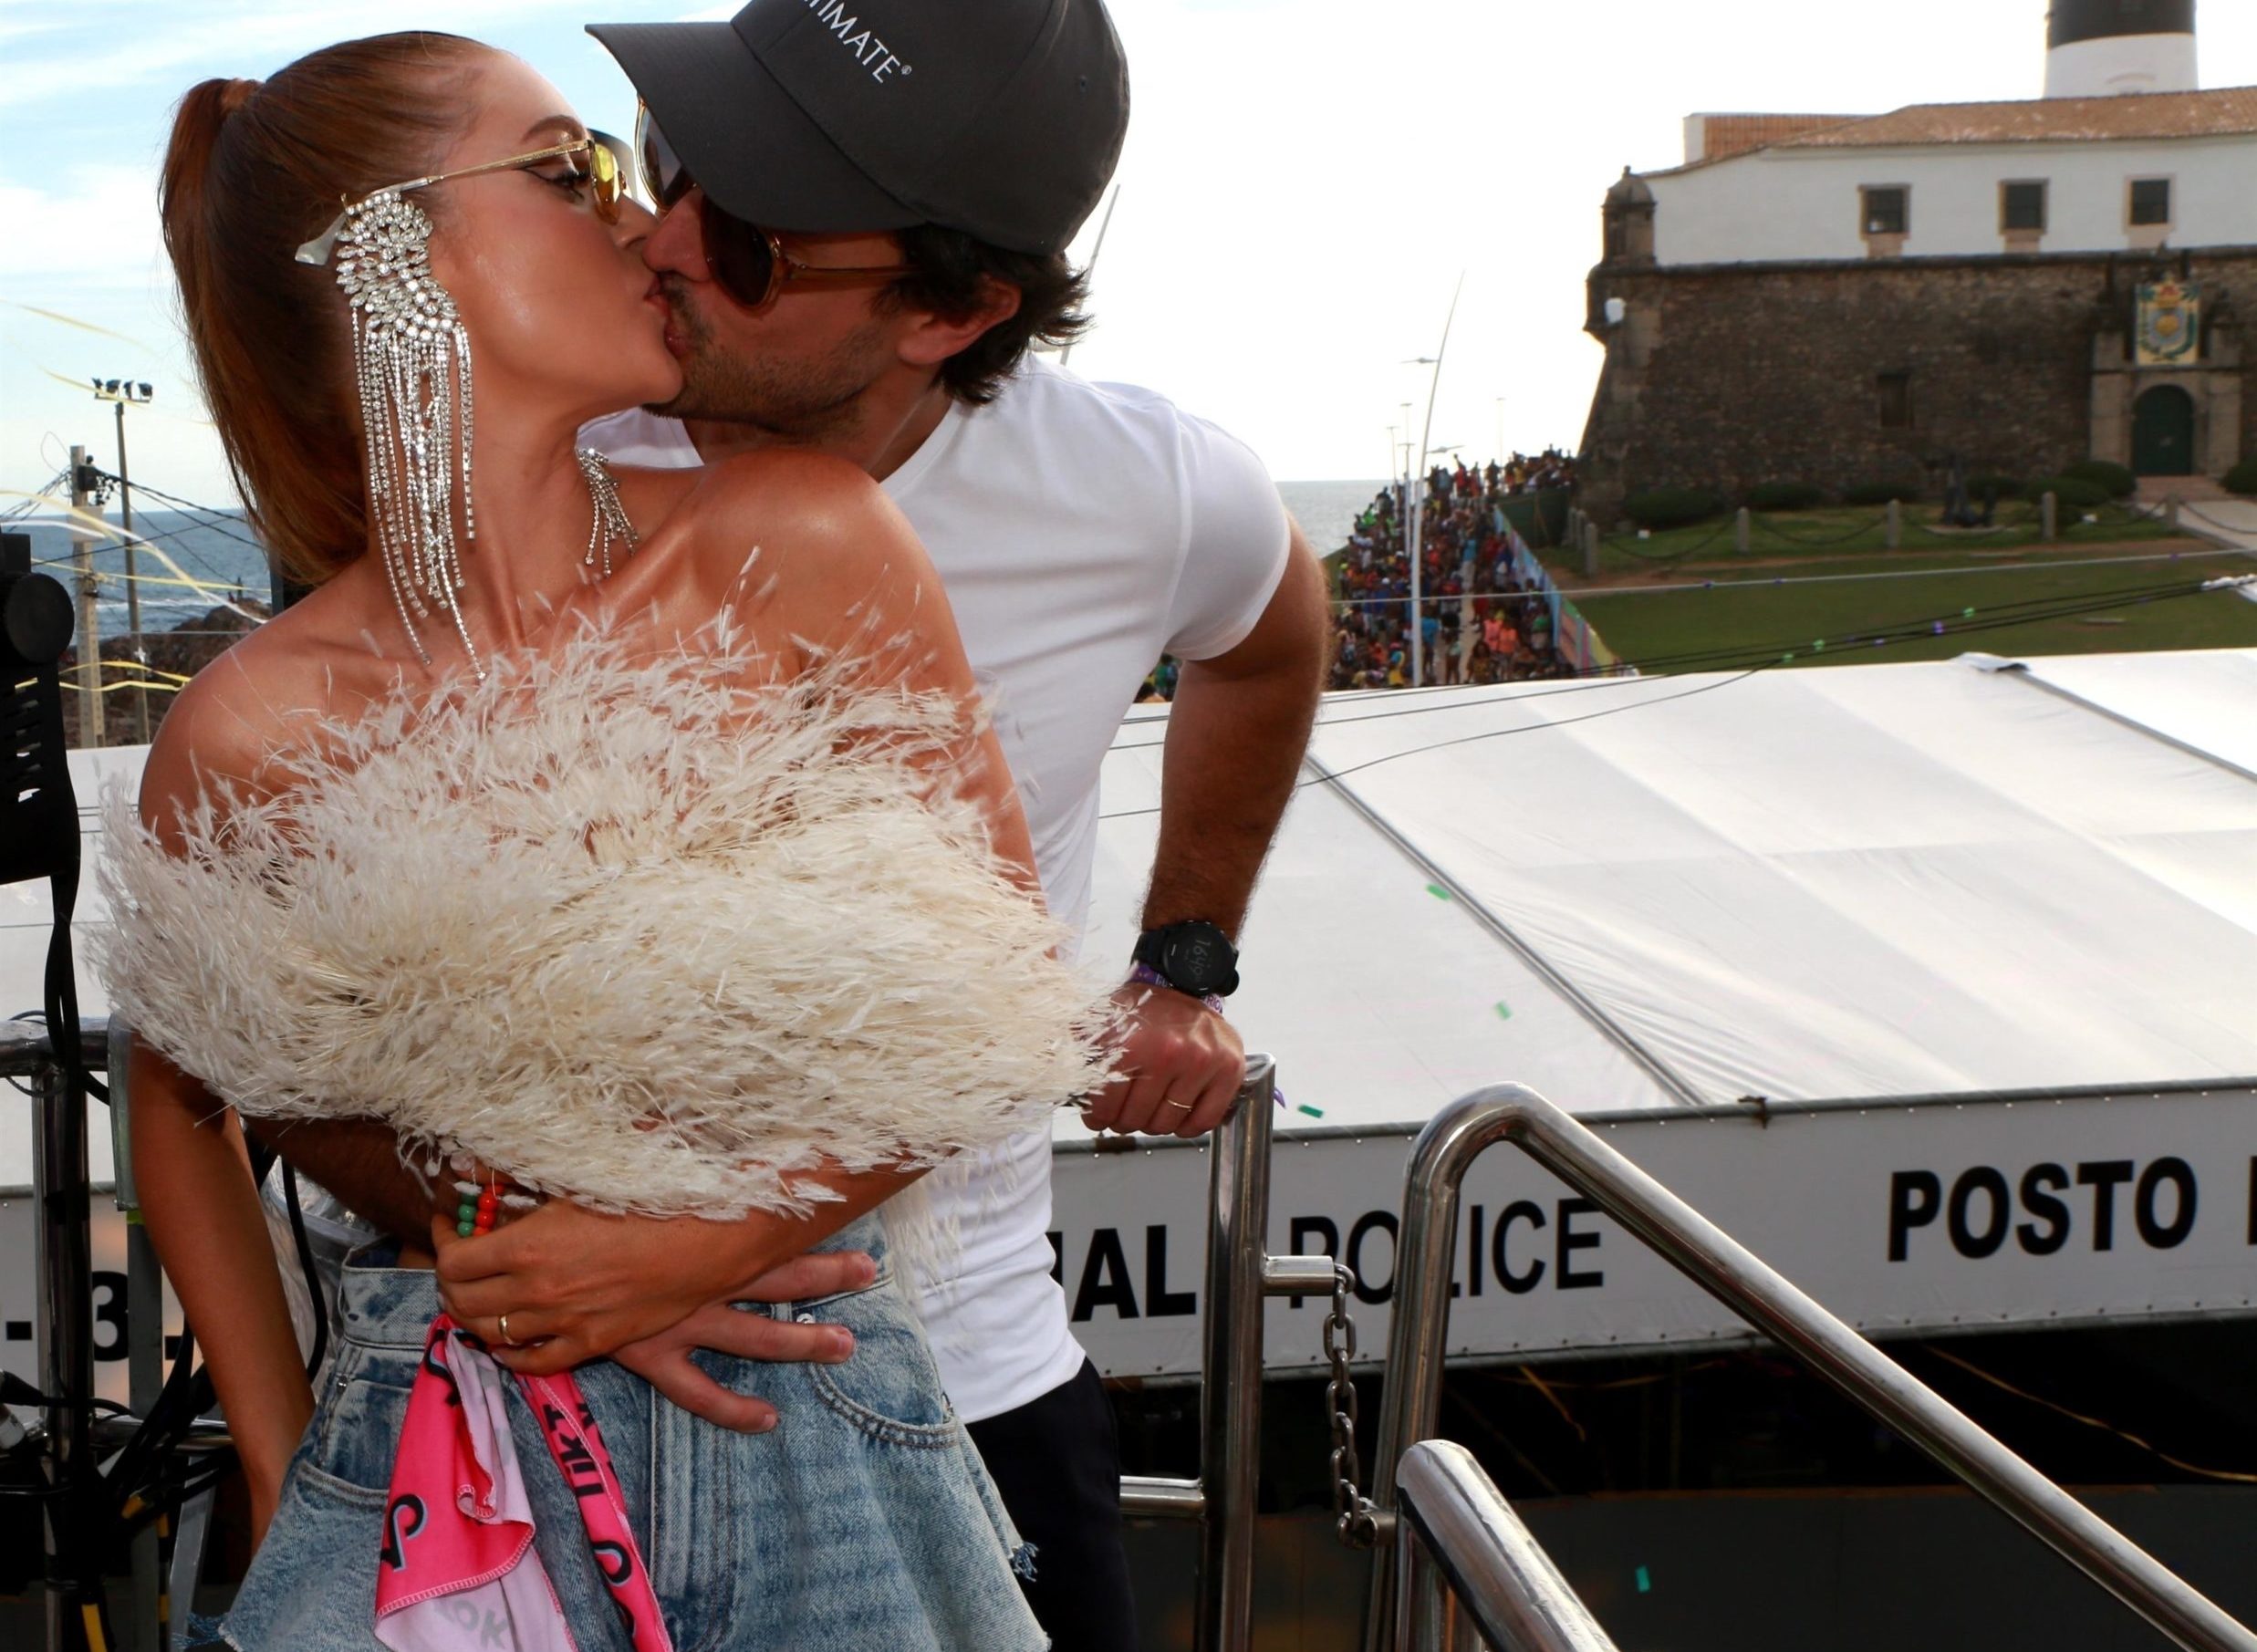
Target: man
{"points": [[864, 230]]}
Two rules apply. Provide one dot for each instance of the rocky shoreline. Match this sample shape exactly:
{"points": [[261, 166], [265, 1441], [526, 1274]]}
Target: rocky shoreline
{"points": [[183, 651]]}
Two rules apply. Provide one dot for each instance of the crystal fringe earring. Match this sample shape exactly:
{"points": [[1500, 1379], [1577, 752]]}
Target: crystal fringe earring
{"points": [[412, 364], [611, 526]]}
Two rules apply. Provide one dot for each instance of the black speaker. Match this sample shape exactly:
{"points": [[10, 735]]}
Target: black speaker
{"points": [[38, 812]]}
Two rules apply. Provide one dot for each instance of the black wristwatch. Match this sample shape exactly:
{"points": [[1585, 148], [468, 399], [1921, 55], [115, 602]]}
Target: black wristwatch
{"points": [[1193, 957]]}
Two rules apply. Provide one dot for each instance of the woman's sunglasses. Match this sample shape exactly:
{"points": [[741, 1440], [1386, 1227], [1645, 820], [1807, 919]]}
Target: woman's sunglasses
{"points": [[748, 262], [605, 180]]}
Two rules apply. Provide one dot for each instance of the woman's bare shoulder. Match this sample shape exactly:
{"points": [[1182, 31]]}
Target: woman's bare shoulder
{"points": [[651, 494], [222, 735], [820, 524], [213, 742]]}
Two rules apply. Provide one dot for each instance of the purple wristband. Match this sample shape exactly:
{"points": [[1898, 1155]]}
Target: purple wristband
{"points": [[1153, 977]]}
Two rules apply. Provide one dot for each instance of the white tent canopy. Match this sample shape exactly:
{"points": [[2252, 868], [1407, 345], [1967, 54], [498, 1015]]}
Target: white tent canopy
{"points": [[1859, 880]]}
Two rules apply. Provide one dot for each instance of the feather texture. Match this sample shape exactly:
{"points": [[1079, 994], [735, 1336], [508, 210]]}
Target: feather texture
{"points": [[626, 929]]}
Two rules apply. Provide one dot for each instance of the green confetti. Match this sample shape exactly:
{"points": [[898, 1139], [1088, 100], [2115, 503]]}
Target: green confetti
{"points": [[1967, 613], [1786, 660], [1437, 891], [1504, 1012], [1312, 1112], [1819, 646], [1645, 1583]]}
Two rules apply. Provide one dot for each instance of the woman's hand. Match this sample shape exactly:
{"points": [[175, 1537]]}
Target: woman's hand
{"points": [[579, 1285]]}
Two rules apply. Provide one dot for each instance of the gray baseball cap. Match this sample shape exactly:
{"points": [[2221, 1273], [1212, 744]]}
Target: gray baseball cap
{"points": [[1003, 119]]}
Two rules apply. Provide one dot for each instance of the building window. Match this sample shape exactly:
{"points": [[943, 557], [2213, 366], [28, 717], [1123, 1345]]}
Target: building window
{"points": [[1887, 211], [2152, 200], [2021, 206], [1895, 393]]}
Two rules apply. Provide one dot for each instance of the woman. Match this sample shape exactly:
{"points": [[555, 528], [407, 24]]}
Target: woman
{"points": [[391, 858]]}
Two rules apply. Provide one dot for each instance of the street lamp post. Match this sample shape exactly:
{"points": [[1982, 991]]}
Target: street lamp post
{"points": [[1402, 520], [124, 393], [1418, 493]]}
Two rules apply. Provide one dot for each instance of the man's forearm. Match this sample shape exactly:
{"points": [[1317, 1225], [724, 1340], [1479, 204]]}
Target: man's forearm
{"points": [[358, 1160], [1233, 751], [1236, 738]]}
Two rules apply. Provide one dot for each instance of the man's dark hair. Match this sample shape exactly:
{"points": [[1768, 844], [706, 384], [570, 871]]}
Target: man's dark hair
{"points": [[946, 269]]}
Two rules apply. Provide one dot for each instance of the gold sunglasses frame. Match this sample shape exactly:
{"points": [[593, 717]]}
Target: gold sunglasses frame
{"points": [[606, 185]]}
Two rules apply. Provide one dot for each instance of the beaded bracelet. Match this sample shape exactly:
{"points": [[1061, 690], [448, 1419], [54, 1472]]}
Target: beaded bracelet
{"points": [[479, 1210]]}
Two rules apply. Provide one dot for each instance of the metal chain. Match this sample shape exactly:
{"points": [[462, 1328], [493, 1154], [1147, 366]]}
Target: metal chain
{"points": [[1354, 1522]]}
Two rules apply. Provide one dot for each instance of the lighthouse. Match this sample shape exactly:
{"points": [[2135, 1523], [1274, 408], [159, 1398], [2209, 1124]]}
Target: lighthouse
{"points": [[2098, 49]]}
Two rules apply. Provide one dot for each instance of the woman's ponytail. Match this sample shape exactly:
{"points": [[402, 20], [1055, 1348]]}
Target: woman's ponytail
{"points": [[253, 170]]}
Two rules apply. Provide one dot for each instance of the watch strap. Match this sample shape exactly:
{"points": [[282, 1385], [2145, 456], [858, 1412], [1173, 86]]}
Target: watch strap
{"points": [[1139, 971]]}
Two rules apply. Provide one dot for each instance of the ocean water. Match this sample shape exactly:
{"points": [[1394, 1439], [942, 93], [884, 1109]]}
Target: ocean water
{"points": [[218, 552], [1327, 510]]}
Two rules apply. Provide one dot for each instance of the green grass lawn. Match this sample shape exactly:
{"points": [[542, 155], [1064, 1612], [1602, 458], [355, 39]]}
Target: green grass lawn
{"points": [[1843, 531], [1745, 613]]}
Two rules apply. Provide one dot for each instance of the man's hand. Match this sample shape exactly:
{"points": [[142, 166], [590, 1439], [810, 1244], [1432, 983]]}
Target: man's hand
{"points": [[1180, 1065], [580, 1285]]}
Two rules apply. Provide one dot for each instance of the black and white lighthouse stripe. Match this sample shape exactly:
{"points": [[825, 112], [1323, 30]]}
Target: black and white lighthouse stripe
{"points": [[2071, 21]]}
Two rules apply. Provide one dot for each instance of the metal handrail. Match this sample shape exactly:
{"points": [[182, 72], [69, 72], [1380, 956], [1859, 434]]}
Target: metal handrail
{"points": [[1459, 1544], [1240, 1274], [1229, 1398], [1728, 1271]]}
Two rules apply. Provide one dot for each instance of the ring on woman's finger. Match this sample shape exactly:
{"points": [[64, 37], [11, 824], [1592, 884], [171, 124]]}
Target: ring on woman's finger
{"points": [[502, 1324], [1171, 1101]]}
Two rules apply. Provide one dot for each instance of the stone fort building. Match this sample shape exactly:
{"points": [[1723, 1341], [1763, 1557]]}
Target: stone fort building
{"points": [[1844, 300]]}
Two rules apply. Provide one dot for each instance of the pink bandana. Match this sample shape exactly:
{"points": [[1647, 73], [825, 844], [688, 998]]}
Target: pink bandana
{"points": [[458, 1569]]}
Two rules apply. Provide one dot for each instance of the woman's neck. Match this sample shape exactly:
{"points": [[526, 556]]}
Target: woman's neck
{"points": [[533, 511]]}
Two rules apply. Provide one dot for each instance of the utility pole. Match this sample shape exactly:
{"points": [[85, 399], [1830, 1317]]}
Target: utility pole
{"points": [[122, 394], [90, 622]]}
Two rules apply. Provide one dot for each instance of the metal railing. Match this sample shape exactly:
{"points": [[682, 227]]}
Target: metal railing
{"points": [[1650, 1214], [1459, 1557], [1240, 1274], [1462, 1554]]}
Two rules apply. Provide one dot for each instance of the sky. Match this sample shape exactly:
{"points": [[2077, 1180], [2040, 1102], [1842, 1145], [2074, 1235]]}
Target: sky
{"points": [[1305, 183]]}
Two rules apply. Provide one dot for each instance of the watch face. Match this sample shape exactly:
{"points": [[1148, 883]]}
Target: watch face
{"points": [[1199, 961], [1194, 961]]}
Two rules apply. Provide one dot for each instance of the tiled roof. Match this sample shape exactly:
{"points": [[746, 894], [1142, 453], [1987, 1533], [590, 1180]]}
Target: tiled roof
{"points": [[2208, 114], [1723, 135]]}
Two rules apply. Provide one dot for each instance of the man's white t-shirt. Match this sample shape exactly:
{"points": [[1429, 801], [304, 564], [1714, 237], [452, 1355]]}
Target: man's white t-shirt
{"points": [[1080, 531]]}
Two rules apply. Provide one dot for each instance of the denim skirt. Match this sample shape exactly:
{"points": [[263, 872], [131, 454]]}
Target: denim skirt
{"points": [[863, 1520]]}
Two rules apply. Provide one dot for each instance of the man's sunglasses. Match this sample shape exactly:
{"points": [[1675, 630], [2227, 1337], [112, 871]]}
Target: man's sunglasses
{"points": [[747, 262], [604, 180]]}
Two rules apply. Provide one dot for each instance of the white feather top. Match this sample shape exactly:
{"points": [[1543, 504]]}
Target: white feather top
{"points": [[622, 931]]}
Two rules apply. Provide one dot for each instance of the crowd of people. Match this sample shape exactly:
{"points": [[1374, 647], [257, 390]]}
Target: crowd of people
{"points": [[1480, 621]]}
